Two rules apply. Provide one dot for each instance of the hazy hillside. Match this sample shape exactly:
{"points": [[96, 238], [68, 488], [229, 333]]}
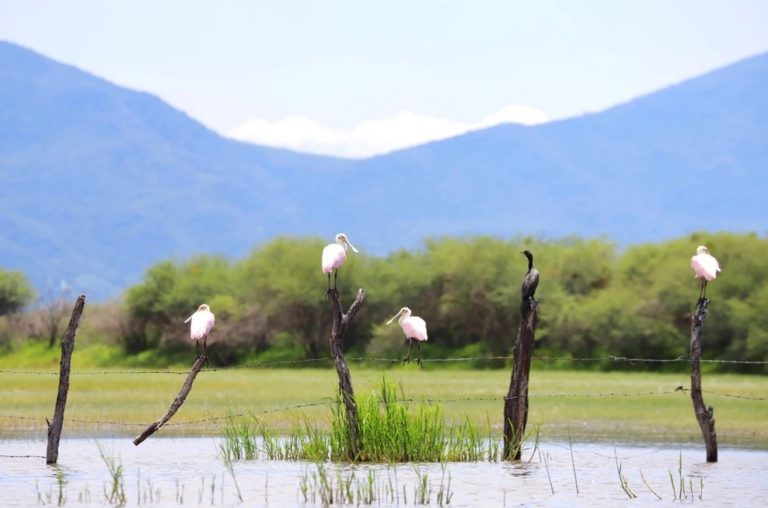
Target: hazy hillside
{"points": [[690, 157], [101, 181]]}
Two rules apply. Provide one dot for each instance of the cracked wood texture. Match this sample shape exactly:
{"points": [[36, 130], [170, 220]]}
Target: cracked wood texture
{"points": [[516, 401], [704, 415], [177, 402], [67, 347], [340, 322]]}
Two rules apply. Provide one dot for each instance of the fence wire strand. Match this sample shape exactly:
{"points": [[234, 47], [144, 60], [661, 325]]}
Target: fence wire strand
{"points": [[367, 359], [363, 359], [426, 400]]}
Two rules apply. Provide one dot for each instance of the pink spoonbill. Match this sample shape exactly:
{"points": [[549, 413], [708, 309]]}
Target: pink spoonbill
{"points": [[415, 330], [705, 268], [334, 256], [201, 326]]}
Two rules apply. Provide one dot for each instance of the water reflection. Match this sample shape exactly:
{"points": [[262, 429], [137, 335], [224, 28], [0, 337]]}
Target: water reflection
{"points": [[176, 471], [519, 469]]}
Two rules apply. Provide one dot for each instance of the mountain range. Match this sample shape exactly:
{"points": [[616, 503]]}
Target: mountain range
{"points": [[100, 182]]}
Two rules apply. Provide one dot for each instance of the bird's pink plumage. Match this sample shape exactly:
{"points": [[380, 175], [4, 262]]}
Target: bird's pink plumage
{"points": [[414, 328], [705, 266], [202, 324], [334, 256]]}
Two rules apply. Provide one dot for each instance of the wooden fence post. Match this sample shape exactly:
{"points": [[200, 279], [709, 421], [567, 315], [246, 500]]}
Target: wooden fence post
{"points": [[516, 401], [67, 347], [340, 322], [177, 402], [705, 415]]}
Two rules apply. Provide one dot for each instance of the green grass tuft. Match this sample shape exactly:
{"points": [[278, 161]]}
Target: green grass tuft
{"points": [[392, 430]]}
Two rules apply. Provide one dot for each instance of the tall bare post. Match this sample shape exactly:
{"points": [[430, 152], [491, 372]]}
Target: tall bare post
{"points": [[705, 415], [340, 322], [67, 347], [516, 401], [177, 402]]}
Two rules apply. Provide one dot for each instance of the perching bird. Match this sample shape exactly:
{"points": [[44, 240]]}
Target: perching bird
{"points": [[415, 329], [334, 255], [705, 267], [531, 279], [201, 326]]}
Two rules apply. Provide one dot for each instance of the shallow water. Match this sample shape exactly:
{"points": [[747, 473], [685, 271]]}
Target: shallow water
{"points": [[190, 471]]}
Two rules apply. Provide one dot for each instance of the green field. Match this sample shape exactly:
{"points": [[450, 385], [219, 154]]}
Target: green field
{"points": [[590, 405]]}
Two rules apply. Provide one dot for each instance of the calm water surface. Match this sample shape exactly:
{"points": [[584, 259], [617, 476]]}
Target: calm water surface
{"points": [[190, 471]]}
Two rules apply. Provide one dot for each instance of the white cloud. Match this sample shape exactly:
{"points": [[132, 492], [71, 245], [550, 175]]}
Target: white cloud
{"points": [[513, 113], [372, 137]]}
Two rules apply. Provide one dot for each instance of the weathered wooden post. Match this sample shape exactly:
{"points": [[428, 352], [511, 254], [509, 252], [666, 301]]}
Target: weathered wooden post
{"points": [[704, 415], [516, 401], [340, 322], [67, 347], [177, 402]]}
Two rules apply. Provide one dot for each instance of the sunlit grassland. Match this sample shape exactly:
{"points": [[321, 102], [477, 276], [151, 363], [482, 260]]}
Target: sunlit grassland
{"points": [[126, 403]]}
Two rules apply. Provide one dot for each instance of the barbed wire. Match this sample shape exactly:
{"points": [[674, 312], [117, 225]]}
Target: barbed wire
{"points": [[94, 372], [325, 402], [734, 396], [370, 359], [426, 400], [16, 417]]}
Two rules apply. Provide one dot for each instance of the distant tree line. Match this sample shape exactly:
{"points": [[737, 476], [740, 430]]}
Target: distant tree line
{"points": [[595, 300]]}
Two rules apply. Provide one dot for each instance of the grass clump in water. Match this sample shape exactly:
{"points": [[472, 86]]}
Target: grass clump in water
{"points": [[115, 492], [240, 439], [347, 488], [249, 438], [392, 429]]}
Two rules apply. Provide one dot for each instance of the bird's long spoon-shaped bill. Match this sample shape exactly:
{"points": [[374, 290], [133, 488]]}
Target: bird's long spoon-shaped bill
{"points": [[394, 317], [351, 246], [189, 318]]}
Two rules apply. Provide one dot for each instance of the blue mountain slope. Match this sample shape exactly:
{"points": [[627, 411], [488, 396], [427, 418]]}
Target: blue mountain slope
{"points": [[99, 181], [690, 157]]}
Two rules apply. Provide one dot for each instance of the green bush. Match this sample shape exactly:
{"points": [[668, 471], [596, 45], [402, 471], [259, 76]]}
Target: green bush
{"points": [[15, 292]]}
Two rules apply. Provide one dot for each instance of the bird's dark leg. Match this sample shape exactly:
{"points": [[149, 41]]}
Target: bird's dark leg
{"points": [[418, 353], [704, 292], [205, 347], [410, 346], [701, 288], [335, 277], [197, 349], [329, 281]]}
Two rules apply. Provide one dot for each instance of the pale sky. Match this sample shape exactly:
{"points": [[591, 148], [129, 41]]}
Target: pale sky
{"points": [[356, 78]]}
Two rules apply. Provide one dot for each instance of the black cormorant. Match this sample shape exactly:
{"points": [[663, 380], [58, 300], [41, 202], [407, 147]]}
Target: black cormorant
{"points": [[531, 279]]}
